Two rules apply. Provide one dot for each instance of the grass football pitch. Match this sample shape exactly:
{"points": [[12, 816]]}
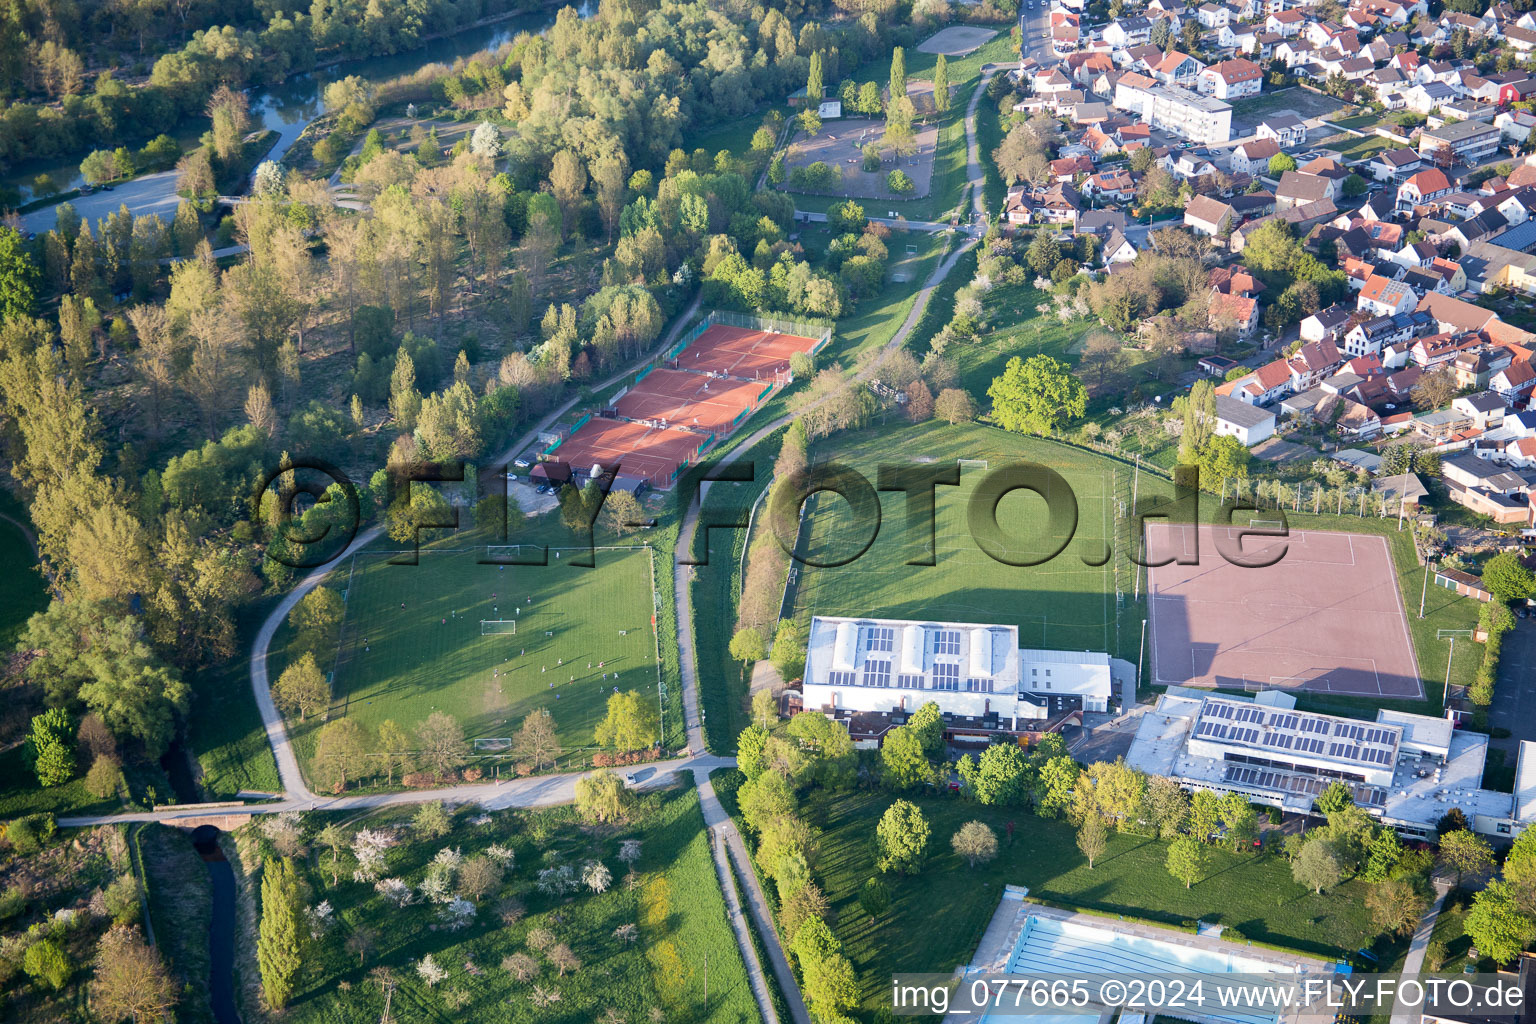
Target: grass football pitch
{"points": [[1067, 602], [412, 641]]}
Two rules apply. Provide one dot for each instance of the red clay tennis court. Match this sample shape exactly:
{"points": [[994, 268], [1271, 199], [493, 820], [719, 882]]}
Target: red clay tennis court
{"points": [[1326, 617], [654, 453], [685, 399], [743, 351]]}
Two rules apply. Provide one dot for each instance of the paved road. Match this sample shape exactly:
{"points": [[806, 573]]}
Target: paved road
{"points": [[1413, 963], [682, 596], [153, 193], [537, 791]]}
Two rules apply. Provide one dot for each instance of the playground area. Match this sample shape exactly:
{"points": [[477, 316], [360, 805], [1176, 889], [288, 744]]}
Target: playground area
{"points": [[840, 145], [956, 40], [679, 398], [1309, 611]]}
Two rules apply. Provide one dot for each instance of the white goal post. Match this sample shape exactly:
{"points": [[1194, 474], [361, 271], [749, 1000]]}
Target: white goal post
{"points": [[498, 627]]}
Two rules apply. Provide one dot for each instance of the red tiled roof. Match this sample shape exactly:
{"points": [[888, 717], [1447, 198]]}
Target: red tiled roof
{"points": [[1428, 182]]}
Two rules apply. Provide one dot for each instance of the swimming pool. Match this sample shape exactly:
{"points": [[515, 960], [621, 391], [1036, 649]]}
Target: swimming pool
{"points": [[1046, 946]]}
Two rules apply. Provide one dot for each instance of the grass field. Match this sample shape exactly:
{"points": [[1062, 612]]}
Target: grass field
{"points": [[1066, 602], [1252, 893], [675, 903], [879, 317], [399, 659]]}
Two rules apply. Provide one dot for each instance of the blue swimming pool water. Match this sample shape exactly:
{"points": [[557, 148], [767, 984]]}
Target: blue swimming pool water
{"points": [[1046, 946]]}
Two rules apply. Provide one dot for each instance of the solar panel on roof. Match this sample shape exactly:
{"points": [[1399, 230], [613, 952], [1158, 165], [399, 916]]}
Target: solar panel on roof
{"points": [[877, 673]]}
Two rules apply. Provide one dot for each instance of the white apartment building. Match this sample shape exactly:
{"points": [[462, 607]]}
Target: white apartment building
{"points": [[1202, 119]]}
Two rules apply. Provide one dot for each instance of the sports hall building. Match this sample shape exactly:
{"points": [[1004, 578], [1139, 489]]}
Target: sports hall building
{"points": [[1407, 770], [873, 673]]}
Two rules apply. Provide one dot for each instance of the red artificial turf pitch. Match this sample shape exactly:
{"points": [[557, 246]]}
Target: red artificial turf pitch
{"points": [[1326, 617]]}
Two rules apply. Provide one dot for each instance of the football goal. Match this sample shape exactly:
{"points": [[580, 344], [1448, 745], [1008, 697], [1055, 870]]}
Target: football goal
{"points": [[496, 627]]}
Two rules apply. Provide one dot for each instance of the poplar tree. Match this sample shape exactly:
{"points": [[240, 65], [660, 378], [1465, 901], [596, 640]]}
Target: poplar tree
{"points": [[277, 947]]}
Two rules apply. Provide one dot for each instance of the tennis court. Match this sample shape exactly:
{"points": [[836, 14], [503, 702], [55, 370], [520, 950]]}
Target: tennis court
{"points": [[743, 351], [681, 399], [1325, 616], [654, 453]]}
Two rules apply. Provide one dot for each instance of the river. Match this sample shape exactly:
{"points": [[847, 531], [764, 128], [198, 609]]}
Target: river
{"points": [[286, 108]]}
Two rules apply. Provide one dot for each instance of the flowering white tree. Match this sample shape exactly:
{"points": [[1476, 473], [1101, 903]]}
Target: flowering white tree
{"points": [[596, 876], [267, 182], [368, 846], [486, 141], [429, 970], [321, 917], [437, 886], [394, 890], [458, 914], [557, 881], [502, 855], [629, 851]]}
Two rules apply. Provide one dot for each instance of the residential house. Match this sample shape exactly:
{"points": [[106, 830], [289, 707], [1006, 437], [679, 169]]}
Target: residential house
{"points": [[1312, 363], [1475, 367], [1383, 296], [1115, 184], [1118, 250], [1123, 33], [1246, 422], [1485, 409], [1101, 222], [1264, 385], [1252, 157], [1213, 16], [1427, 96], [1515, 382], [1207, 216], [1285, 23], [1232, 79], [1357, 421], [1485, 488], [1238, 313], [1178, 69], [1515, 125], [1326, 323], [1422, 187], [1286, 129], [1394, 164], [1298, 188], [1455, 315]]}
